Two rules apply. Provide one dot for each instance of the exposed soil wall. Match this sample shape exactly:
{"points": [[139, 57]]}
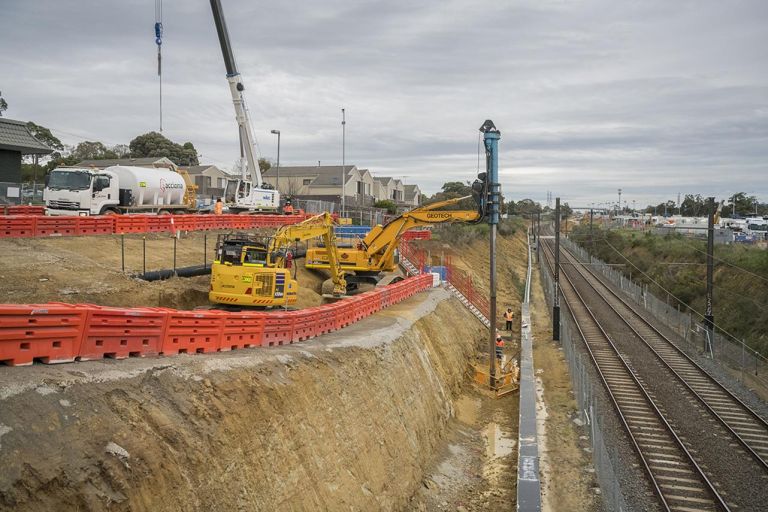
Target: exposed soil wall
{"points": [[348, 421]]}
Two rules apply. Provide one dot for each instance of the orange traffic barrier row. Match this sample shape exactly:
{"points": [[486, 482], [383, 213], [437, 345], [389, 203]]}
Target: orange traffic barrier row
{"points": [[28, 226], [22, 210], [57, 332]]}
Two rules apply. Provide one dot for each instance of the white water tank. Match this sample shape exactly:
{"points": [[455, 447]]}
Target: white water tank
{"points": [[150, 186]]}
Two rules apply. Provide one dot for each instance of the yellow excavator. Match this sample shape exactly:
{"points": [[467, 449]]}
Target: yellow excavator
{"points": [[375, 253], [251, 272]]}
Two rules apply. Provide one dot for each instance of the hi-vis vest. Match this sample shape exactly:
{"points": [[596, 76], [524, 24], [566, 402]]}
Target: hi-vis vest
{"points": [[509, 315]]}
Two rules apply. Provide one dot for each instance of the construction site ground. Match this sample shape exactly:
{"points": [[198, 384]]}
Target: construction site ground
{"points": [[379, 416]]}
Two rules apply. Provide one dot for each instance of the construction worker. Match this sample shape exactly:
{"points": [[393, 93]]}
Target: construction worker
{"points": [[509, 316], [500, 348], [218, 208], [288, 209]]}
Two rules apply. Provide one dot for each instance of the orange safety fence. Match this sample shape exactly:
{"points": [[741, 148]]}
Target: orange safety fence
{"points": [[22, 210], [29, 226], [457, 277], [57, 332]]}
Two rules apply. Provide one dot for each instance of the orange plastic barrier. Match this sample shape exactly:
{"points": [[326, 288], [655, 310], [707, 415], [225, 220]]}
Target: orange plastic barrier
{"points": [[50, 333], [243, 330], [22, 210], [95, 225], [59, 332], [278, 329], [56, 226], [121, 333], [323, 318], [130, 224], [159, 223], [424, 234], [304, 324], [17, 226], [191, 332]]}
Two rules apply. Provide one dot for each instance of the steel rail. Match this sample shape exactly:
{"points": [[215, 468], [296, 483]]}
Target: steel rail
{"points": [[623, 387], [745, 424]]}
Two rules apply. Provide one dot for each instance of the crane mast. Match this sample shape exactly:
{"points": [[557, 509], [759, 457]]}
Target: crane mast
{"points": [[251, 196]]}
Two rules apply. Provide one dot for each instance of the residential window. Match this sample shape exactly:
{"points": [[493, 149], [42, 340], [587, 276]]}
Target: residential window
{"points": [[306, 181]]}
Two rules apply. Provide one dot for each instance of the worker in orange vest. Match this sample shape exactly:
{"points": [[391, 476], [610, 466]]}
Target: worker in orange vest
{"points": [[499, 348], [218, 207], [509, 316], [288, 209]]}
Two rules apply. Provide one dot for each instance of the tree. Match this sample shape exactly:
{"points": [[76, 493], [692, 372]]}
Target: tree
{"points": [[154, 144], [264, 165], [45, 136], [388, 205], [92, 150], [3, 104]]}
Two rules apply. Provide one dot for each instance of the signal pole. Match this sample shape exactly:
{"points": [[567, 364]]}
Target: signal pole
{"points": [[591, 239], [709, 319], [556, 299]]}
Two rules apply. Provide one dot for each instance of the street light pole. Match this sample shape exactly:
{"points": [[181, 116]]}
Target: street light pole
{"points": [[277, 132], [343, 157]]}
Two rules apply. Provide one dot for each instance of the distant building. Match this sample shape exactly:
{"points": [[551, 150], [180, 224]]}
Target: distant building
{"points": [[391, 189], [324, 183], [16, 141], [211, 181], [152, 161], [412, 195]]}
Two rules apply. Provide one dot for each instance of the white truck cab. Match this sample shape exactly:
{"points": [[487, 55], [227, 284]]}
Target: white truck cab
{"points": [[79, 191]]}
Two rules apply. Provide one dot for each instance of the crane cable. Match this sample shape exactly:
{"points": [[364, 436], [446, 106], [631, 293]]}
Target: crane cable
{"points": [[159, 42]]}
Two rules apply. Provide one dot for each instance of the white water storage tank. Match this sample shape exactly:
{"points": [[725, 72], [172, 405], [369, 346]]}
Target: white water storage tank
{"points": [[150, 186]]}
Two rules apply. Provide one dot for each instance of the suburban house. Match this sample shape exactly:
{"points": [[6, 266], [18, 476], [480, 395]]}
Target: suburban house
{"points": [[412, 195], [151, 161], [388, 188], [210, 180], [15, 141], [324, 183]]}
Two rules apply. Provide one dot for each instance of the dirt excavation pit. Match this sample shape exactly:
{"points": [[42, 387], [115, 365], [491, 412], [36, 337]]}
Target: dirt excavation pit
{"points": [[89, 270]]}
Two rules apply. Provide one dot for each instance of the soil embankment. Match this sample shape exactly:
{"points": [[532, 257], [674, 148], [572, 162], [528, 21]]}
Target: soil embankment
{"points": [[349, 421]]}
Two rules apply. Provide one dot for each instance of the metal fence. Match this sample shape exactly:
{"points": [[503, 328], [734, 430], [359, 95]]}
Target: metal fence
{"points": [[589, 409], [21, 193], [722, 348]]}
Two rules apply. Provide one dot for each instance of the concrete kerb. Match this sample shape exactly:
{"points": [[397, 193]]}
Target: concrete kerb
{"points": [[528, 482]]}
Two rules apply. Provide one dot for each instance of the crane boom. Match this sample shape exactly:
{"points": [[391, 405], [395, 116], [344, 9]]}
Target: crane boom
{"points": [[249, 193]]}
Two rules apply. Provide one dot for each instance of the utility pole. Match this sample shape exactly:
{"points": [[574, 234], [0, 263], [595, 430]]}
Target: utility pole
{"points": [[491, 136], [538, 235], [618, 212], [709, 318], [591, 239], [556, 299], [277, 132], [343, 157]]}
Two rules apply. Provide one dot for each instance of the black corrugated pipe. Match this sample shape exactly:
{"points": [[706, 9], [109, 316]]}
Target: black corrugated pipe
{"points": [[159, 275]]}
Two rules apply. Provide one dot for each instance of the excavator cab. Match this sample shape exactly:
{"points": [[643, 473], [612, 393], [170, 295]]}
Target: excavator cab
{"points": [[240, 275]]}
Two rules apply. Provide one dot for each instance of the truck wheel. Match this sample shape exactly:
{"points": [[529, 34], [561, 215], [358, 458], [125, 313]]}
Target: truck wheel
{"points": [[164, 212], [109, 211]]}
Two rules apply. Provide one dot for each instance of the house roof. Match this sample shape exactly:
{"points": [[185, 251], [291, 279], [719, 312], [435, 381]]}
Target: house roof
{"points": [[383, 179], [197, 169], [411, 191], [14, 136], [126, 161], [324, 176], [309, 170]]}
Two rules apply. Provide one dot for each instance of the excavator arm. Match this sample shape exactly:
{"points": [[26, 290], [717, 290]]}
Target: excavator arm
{"points": [[317, 226], [384, 239]]}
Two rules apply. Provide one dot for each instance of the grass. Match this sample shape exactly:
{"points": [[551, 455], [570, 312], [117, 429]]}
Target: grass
{"points": [[676, 264]]}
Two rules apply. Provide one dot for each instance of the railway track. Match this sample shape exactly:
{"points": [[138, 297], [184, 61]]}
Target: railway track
{"points": [[747, 428], [677, 479]]}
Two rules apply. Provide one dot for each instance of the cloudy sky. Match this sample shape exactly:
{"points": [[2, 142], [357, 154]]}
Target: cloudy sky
{"points": [[655, 97]]}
